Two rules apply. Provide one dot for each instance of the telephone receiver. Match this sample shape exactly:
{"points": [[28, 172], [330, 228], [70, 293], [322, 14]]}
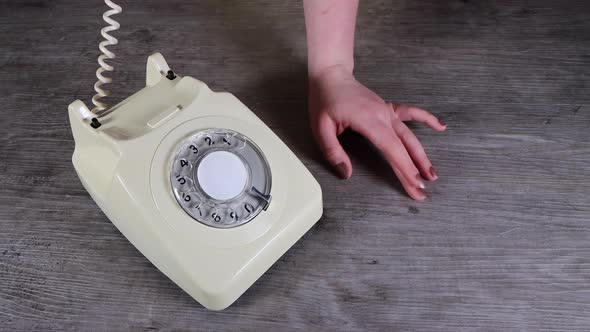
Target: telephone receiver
{"points": [[196, 182]]}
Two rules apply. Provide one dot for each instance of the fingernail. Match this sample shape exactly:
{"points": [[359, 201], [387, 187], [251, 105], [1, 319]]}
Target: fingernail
{"points": [[342, 170], [433, 172], [422, 194], [442, 123], [421, 184]]}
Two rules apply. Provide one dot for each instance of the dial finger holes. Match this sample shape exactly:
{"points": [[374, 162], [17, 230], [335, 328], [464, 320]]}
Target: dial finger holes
{"points": [[183, 183], [233, 215], [237, 142], [211, 177], [215, 216], [188, 199], [227, 139], [247, 209], [182, 166]]}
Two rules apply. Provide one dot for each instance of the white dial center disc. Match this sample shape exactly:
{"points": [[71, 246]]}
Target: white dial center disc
{"points": [[222, 175]]}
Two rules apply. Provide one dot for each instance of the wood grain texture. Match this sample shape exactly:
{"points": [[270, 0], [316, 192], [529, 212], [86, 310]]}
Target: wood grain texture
{"points": [[503, 243]]}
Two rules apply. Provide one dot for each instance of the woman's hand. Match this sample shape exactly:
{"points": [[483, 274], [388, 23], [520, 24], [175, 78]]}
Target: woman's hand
{"points": [[337, 101]]}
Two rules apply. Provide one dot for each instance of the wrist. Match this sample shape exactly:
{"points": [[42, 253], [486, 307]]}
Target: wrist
{"points": [[325, 77], [330, 34], [316, 71]]}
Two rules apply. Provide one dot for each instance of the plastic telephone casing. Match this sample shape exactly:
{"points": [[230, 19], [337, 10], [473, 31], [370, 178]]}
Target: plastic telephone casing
{"points": [[125, 166]]}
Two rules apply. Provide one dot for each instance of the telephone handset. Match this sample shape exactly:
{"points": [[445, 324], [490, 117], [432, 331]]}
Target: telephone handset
{"points": [[200, 185]]}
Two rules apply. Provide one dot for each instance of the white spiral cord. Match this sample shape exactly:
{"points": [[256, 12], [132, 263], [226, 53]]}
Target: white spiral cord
{"points": [[106, 55]]}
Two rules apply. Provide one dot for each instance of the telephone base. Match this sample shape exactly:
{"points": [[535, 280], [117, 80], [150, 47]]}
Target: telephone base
{"points": [[128, 166]]}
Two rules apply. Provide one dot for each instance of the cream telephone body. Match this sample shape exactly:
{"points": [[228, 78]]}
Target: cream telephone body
{"points": [[200, 185]]}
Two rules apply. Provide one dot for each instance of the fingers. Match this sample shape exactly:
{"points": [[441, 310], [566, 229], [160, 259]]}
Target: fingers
{"points": [[327, 137], [411, 113], [386, 140], [415, 150]]}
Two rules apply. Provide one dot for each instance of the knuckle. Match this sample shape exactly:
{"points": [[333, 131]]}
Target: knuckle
{"points": [[382, 115], [427, 116], [366, 108], [393, 116], [407, 135], [331, 153]]}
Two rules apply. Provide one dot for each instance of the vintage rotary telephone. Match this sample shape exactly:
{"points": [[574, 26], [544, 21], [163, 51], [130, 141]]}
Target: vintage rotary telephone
{"points": [[200, 185]]}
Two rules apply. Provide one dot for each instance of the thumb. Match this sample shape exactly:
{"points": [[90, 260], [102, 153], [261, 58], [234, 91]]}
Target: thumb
{"points": [[327, 137]]}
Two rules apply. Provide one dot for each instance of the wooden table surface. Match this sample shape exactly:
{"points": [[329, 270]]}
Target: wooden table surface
{"points": [[502, 243]]}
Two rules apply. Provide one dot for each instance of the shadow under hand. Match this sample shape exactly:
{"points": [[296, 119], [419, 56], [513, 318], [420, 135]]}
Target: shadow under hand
{"points": [[281, 102], [282, 105], [367, 159]]}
